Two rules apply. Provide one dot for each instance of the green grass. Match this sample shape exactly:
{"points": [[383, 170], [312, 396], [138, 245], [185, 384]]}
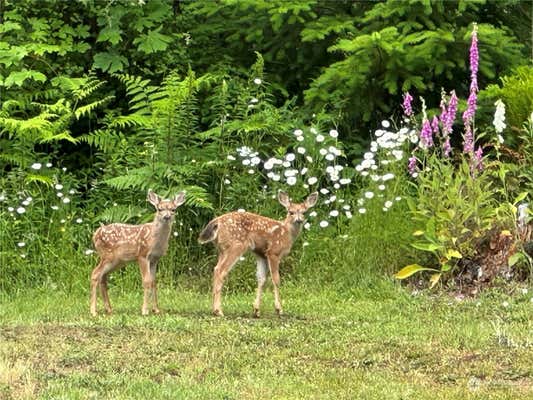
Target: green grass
{"points": [[328, 345]]}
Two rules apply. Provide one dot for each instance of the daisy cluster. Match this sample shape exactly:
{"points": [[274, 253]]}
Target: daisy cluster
{"points": [[25, 208], [314, 161], [379, 165]]}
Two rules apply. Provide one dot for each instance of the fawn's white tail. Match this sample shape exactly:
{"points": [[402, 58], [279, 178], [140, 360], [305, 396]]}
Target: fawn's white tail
{"points": [[270, 240]]}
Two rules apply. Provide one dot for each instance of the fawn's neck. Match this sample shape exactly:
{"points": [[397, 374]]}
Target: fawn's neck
{"points": [[293, 228], [161, 231]]}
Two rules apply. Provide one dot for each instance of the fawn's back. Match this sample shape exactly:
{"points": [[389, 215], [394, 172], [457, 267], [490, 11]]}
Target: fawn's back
{"points": [[123, 241], [260, 234]]}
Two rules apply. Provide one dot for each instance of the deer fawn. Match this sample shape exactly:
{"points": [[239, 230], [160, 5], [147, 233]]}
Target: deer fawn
{"points": [[146, 243], [236, 232]]}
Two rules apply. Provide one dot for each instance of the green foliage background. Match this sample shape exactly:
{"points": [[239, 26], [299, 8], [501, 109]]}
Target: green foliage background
{"points": [[121, 96]]}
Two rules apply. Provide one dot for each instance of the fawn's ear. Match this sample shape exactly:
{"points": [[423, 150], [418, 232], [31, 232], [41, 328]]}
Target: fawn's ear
{"points": [[284, 200], [179, 199], [153, 198], [311, 200]]}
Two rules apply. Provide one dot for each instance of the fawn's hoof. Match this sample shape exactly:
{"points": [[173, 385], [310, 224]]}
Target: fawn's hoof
{"points": [[257, 313], [218, 313], [156, 311], [279, 311]]}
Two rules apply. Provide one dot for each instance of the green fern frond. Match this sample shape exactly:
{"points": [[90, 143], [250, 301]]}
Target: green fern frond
{"points": [[130, 121], [46, 180], [196, 196], [138, 178], [47, 137], [20, 159], [105, 140], [121, 213], [89, 108]]}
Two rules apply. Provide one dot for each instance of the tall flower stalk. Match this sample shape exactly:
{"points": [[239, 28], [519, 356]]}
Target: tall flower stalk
{"points": [[468, 115]]}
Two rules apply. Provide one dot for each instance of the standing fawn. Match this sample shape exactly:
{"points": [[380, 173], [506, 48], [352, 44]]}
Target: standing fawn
{"points": [[236, 232], [146, 243]]}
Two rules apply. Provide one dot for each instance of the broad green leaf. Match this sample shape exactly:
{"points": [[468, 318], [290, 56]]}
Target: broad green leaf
{"points": [[426, 246], [411, 269], [445, 267], [110, 62], [451, 253], [152, 42], [520, 197], [515, 258], [19, 77], [110, 34]]}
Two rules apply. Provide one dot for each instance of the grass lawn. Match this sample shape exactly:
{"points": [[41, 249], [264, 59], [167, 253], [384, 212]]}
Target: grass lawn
{"points": [[328, 346]]}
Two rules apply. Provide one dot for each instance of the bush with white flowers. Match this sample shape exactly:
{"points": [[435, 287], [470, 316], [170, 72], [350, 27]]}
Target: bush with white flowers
{"points": [[313, 161]]}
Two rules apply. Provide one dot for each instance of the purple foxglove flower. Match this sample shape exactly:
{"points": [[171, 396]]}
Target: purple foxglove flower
{"points": [[468, 143], [412, 167], [470, 111], [478, 158], [468, 115], [450, 115], [435, 125], [426, 135], [407, 99], [474, 60]]}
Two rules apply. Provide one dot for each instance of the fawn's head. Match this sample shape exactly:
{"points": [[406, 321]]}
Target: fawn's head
{"points": [[296, 211], [165, 208]]}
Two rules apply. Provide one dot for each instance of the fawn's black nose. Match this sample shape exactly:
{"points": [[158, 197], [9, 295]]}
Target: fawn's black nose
{"points": [[166, 217]]}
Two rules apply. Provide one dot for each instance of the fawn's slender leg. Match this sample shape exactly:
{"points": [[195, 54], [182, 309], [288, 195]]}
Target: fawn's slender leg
{"points": [[261, 274], [102, 269], [105, 295], [226, 261], [153, 269], [273, 263], [144, 266]]}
